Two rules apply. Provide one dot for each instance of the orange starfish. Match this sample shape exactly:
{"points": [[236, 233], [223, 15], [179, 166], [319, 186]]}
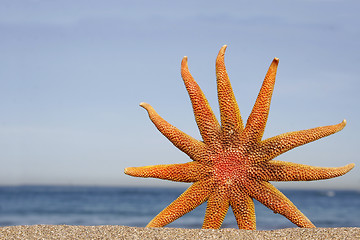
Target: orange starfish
{"points": [[232, 165]]}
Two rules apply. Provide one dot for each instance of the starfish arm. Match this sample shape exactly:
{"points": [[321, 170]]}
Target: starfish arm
{"points": [[280, 144], [185, 172], [272, 198], [204, 116], [287, 171], [256, 122], [231, 122], [243, 209], [194, 196], [216, 209], [194, 148]]}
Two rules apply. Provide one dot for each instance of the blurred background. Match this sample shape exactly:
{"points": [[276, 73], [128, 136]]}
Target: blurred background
{"points": [[72, 74]]}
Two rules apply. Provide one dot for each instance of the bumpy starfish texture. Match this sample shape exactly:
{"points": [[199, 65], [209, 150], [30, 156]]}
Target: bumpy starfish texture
{"points": [[233, 165]]}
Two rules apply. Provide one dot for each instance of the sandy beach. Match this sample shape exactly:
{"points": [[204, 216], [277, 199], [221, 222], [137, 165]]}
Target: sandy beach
{"points": [[123, 232]]}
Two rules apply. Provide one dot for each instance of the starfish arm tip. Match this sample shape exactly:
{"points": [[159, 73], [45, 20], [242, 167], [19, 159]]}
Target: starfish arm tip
{"points": [[341, 125], [274, 64], [128, 170], [184, 64], [144, 105], [221, 53], [351, 166]]}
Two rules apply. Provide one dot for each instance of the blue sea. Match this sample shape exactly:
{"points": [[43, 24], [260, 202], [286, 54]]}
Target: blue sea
{"points": [[131, 206]]}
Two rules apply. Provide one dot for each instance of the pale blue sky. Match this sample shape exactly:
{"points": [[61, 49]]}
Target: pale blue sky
{"points": [[72, 74]]}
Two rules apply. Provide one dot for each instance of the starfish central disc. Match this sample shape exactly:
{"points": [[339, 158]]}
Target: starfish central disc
{"points": [[232, 165], [230, 168]]}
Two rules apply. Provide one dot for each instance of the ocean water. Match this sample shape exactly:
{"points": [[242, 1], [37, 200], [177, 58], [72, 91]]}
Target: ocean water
{"points": [[29, 205]]}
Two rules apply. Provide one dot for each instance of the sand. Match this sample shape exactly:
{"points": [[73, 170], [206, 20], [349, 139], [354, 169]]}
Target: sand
{"points": [[123, 232]]}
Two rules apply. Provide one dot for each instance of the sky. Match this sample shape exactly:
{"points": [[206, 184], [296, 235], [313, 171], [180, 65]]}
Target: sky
{"points": [[72, 75]]}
